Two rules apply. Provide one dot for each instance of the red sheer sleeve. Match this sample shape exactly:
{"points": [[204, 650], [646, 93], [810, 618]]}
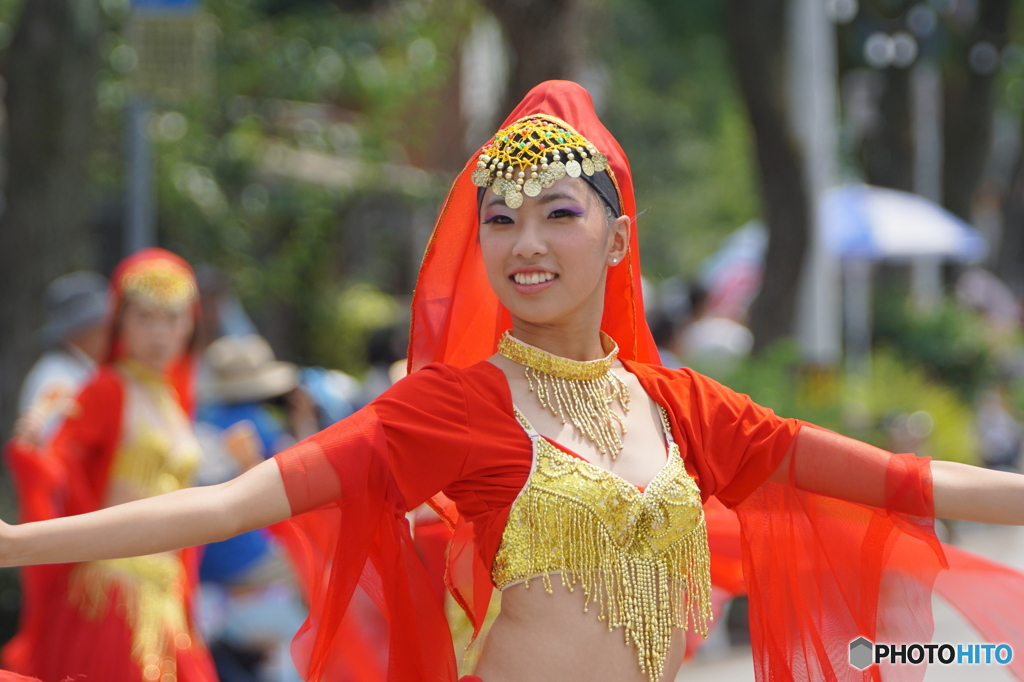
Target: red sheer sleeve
{"points": [[350, 487], [735, 443], [839, 544]]}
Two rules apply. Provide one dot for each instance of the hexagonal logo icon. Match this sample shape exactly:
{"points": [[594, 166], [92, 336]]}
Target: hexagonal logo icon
{"points": [[861, 650]]}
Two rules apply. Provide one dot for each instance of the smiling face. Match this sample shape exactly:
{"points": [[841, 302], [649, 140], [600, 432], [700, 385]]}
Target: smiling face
{"points": [[547, 260]]}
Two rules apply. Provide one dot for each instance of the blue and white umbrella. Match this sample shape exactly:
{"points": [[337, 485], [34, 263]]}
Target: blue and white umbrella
{"points": [[874, 223]]}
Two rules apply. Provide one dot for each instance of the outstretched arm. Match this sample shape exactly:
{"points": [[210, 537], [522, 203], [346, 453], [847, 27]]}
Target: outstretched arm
{"points": [[829, 464], [972, 493], [194, 516]]}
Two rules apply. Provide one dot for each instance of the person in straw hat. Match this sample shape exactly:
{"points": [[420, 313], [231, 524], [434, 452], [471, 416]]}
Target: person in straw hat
{"points": [[245, 580], [576, 468], [242, 375]]}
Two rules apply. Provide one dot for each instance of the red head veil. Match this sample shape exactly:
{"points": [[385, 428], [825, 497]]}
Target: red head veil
{"points": [[181, 371], [456, 318]]}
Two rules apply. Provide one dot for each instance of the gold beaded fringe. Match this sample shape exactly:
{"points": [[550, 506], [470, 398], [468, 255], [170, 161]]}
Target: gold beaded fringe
{"points": [[645, 591], [582, 391], [152, 595]]}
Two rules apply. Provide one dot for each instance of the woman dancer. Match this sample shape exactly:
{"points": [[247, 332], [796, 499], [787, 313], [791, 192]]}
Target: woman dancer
{"points": [[128, 438], [576, 468]]}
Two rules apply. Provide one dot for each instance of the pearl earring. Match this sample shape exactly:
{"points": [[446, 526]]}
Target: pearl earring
{"points": [[615, 261]]}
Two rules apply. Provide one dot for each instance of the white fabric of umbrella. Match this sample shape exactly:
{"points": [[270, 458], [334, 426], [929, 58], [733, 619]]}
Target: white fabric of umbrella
{"points": [[875, 223], [861, 224]]}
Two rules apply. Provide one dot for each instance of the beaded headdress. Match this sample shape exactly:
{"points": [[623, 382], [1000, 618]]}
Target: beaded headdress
{"points": [[159, 282], [532, 154]]}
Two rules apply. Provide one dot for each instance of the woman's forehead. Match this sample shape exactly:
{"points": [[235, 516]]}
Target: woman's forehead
{"points": [[142, 306]]}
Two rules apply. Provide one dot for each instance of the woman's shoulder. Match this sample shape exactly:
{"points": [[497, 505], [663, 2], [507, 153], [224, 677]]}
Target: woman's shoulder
{"points": [[443, 393], [106, 384], [482, 376], [686, 389], [658, 373]]}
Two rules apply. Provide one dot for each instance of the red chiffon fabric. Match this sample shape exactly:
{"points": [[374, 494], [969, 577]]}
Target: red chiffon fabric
{"points": [[839, 547], [54, 641], [15, 677], [454, 430]]}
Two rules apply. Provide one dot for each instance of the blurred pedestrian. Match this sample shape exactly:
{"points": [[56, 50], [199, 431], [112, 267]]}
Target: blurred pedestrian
{"points": [[250, 605], [76, 337], [1000, 433], [711, 342], [127, 436]]}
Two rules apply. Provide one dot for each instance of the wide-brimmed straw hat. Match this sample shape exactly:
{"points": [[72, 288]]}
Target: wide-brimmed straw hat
{"points": [[74, 302], [243, 369]]}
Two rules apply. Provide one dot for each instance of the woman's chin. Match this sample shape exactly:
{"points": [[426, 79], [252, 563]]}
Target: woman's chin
{"points": [[539, 314]]}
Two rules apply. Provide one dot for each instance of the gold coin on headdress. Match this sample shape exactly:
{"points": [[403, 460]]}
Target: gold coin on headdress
{"points": [[531, 187], [481, 177], [514, 198], [588, 166], [600, 162], [572, 168], [558, 170], [547, 178], [500, 186]]}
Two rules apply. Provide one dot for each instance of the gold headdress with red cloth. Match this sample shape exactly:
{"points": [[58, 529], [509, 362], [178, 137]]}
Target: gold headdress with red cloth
{"points": [[162, 278], [160, 282], [456, 317], [526, 157]]}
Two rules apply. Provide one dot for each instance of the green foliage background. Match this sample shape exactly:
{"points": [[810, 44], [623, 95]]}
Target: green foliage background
{"points": [[379, 78]]}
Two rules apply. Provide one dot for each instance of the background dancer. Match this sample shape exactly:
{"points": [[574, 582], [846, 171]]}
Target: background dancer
{"points": [[128, 437]]}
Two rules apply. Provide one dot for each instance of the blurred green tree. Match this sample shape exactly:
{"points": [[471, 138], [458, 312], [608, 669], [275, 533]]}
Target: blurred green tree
{"points": [[49, 70], [754, 32]]}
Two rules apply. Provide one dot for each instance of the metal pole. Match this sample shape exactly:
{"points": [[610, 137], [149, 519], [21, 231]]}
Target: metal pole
{"points": [[812, 70], [926, 108], [140, 212]]}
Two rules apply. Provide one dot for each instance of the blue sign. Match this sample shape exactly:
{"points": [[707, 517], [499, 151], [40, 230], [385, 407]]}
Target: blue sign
{"points": [[166, 6]]}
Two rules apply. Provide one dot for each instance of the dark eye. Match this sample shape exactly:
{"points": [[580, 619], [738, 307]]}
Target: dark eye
{"points": [[499, 220], [564, 213]]}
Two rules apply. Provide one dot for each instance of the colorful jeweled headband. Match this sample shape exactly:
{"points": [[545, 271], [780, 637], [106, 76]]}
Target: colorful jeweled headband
{"points": [[160, 282], [527, 156]]}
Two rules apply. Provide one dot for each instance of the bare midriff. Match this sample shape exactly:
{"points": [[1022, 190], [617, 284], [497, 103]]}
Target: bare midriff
{"points": [[548, 637]]}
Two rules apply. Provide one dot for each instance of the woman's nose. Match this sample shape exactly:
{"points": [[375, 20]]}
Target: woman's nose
{"points": [[530, 242]]}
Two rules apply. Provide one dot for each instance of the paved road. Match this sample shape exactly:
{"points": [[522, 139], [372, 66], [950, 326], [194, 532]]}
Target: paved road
{"points": [[1002, 543]]}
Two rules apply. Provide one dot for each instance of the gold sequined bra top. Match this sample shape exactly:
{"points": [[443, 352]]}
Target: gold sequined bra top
{"points": [[641, 556]]}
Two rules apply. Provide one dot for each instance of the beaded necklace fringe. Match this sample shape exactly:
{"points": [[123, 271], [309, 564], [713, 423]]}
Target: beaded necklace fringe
{"points": [[580, 391]]}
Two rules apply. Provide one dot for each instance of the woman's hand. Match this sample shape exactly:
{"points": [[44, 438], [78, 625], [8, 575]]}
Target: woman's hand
{"points": [[185, 518], [302, 414], [28, 429], [5, 544]]}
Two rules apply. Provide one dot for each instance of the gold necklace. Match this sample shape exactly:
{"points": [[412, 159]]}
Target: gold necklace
{"points": [[581, 391]]}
